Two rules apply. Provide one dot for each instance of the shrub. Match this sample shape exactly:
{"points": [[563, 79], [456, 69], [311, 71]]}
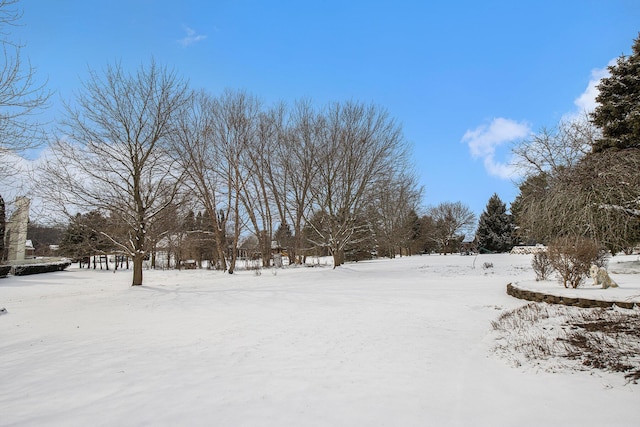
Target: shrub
{"points": [[541, 264], [23, 270], [4, 270], [487, 265], [571, 258]]}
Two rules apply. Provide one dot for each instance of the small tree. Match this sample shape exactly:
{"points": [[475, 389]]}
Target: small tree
{"points": [[541, 265], [495, 229]]}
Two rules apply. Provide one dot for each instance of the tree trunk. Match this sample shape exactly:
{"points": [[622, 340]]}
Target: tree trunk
{"points": [[220, 226], [338, 257], [137, 269]]}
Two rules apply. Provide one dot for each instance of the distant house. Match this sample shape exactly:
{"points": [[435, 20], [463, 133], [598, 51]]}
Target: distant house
{"points": [[29, 250], [469, 246], [249, 248]]}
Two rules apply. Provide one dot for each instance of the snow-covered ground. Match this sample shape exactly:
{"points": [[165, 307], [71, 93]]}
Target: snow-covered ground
{"points": [[405, 342]]}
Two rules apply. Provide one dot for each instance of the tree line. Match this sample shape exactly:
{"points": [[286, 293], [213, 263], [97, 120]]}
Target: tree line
{"points": [[144, 152], [137, 153], [141, 149]]}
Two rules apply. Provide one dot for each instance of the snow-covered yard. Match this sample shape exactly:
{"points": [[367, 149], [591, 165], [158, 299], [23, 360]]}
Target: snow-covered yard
{"points": [[405, 342]]}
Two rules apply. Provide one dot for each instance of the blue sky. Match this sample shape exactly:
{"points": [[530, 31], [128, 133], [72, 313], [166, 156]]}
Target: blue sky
{"points": [[465, 78]]}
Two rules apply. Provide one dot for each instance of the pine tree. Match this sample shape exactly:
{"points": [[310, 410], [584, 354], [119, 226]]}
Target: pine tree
{"points": [[495, 228], [618, 114], [83, 237], [189, 222]]}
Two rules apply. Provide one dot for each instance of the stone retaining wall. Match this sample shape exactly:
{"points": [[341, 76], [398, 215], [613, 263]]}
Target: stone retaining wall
{"points": [[528, 250], [528, 295]]}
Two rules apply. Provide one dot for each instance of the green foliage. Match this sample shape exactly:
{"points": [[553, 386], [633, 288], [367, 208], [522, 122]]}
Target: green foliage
{"points": [[84, 237], [284, 236], [27, 269], [495, 228], [189, 222], [618, 114]]}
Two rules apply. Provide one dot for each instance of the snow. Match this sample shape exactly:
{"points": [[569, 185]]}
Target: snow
{"points": [[381, 343]]}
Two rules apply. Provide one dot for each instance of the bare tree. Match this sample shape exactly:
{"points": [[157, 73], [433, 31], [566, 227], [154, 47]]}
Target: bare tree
{"points": [[392, 209], [215, 139], [359, 146], [598, 198], [255, 169], [234, 127], [199, 158], [544, 159], [551, 151], [571, 191], [113, 157], [263, 195], [21, 96], [297, 151], [452, 221]]}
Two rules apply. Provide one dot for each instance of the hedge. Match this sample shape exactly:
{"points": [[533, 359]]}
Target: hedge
{"points": [[4, 270], [23, 270]]}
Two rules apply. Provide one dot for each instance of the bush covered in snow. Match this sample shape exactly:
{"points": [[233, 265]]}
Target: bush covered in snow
{"points": [[23, 270]]}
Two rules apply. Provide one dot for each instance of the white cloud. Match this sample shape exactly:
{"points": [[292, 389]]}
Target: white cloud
{"points": [[586, 102], [484, 140], [191, 37]]}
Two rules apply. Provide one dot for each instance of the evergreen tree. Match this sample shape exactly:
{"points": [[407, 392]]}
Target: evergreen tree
{"points": [[83, 236], [284, 236], [530, 226], [618, 114], [198, 221], [495, 228], [189, 222]]}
